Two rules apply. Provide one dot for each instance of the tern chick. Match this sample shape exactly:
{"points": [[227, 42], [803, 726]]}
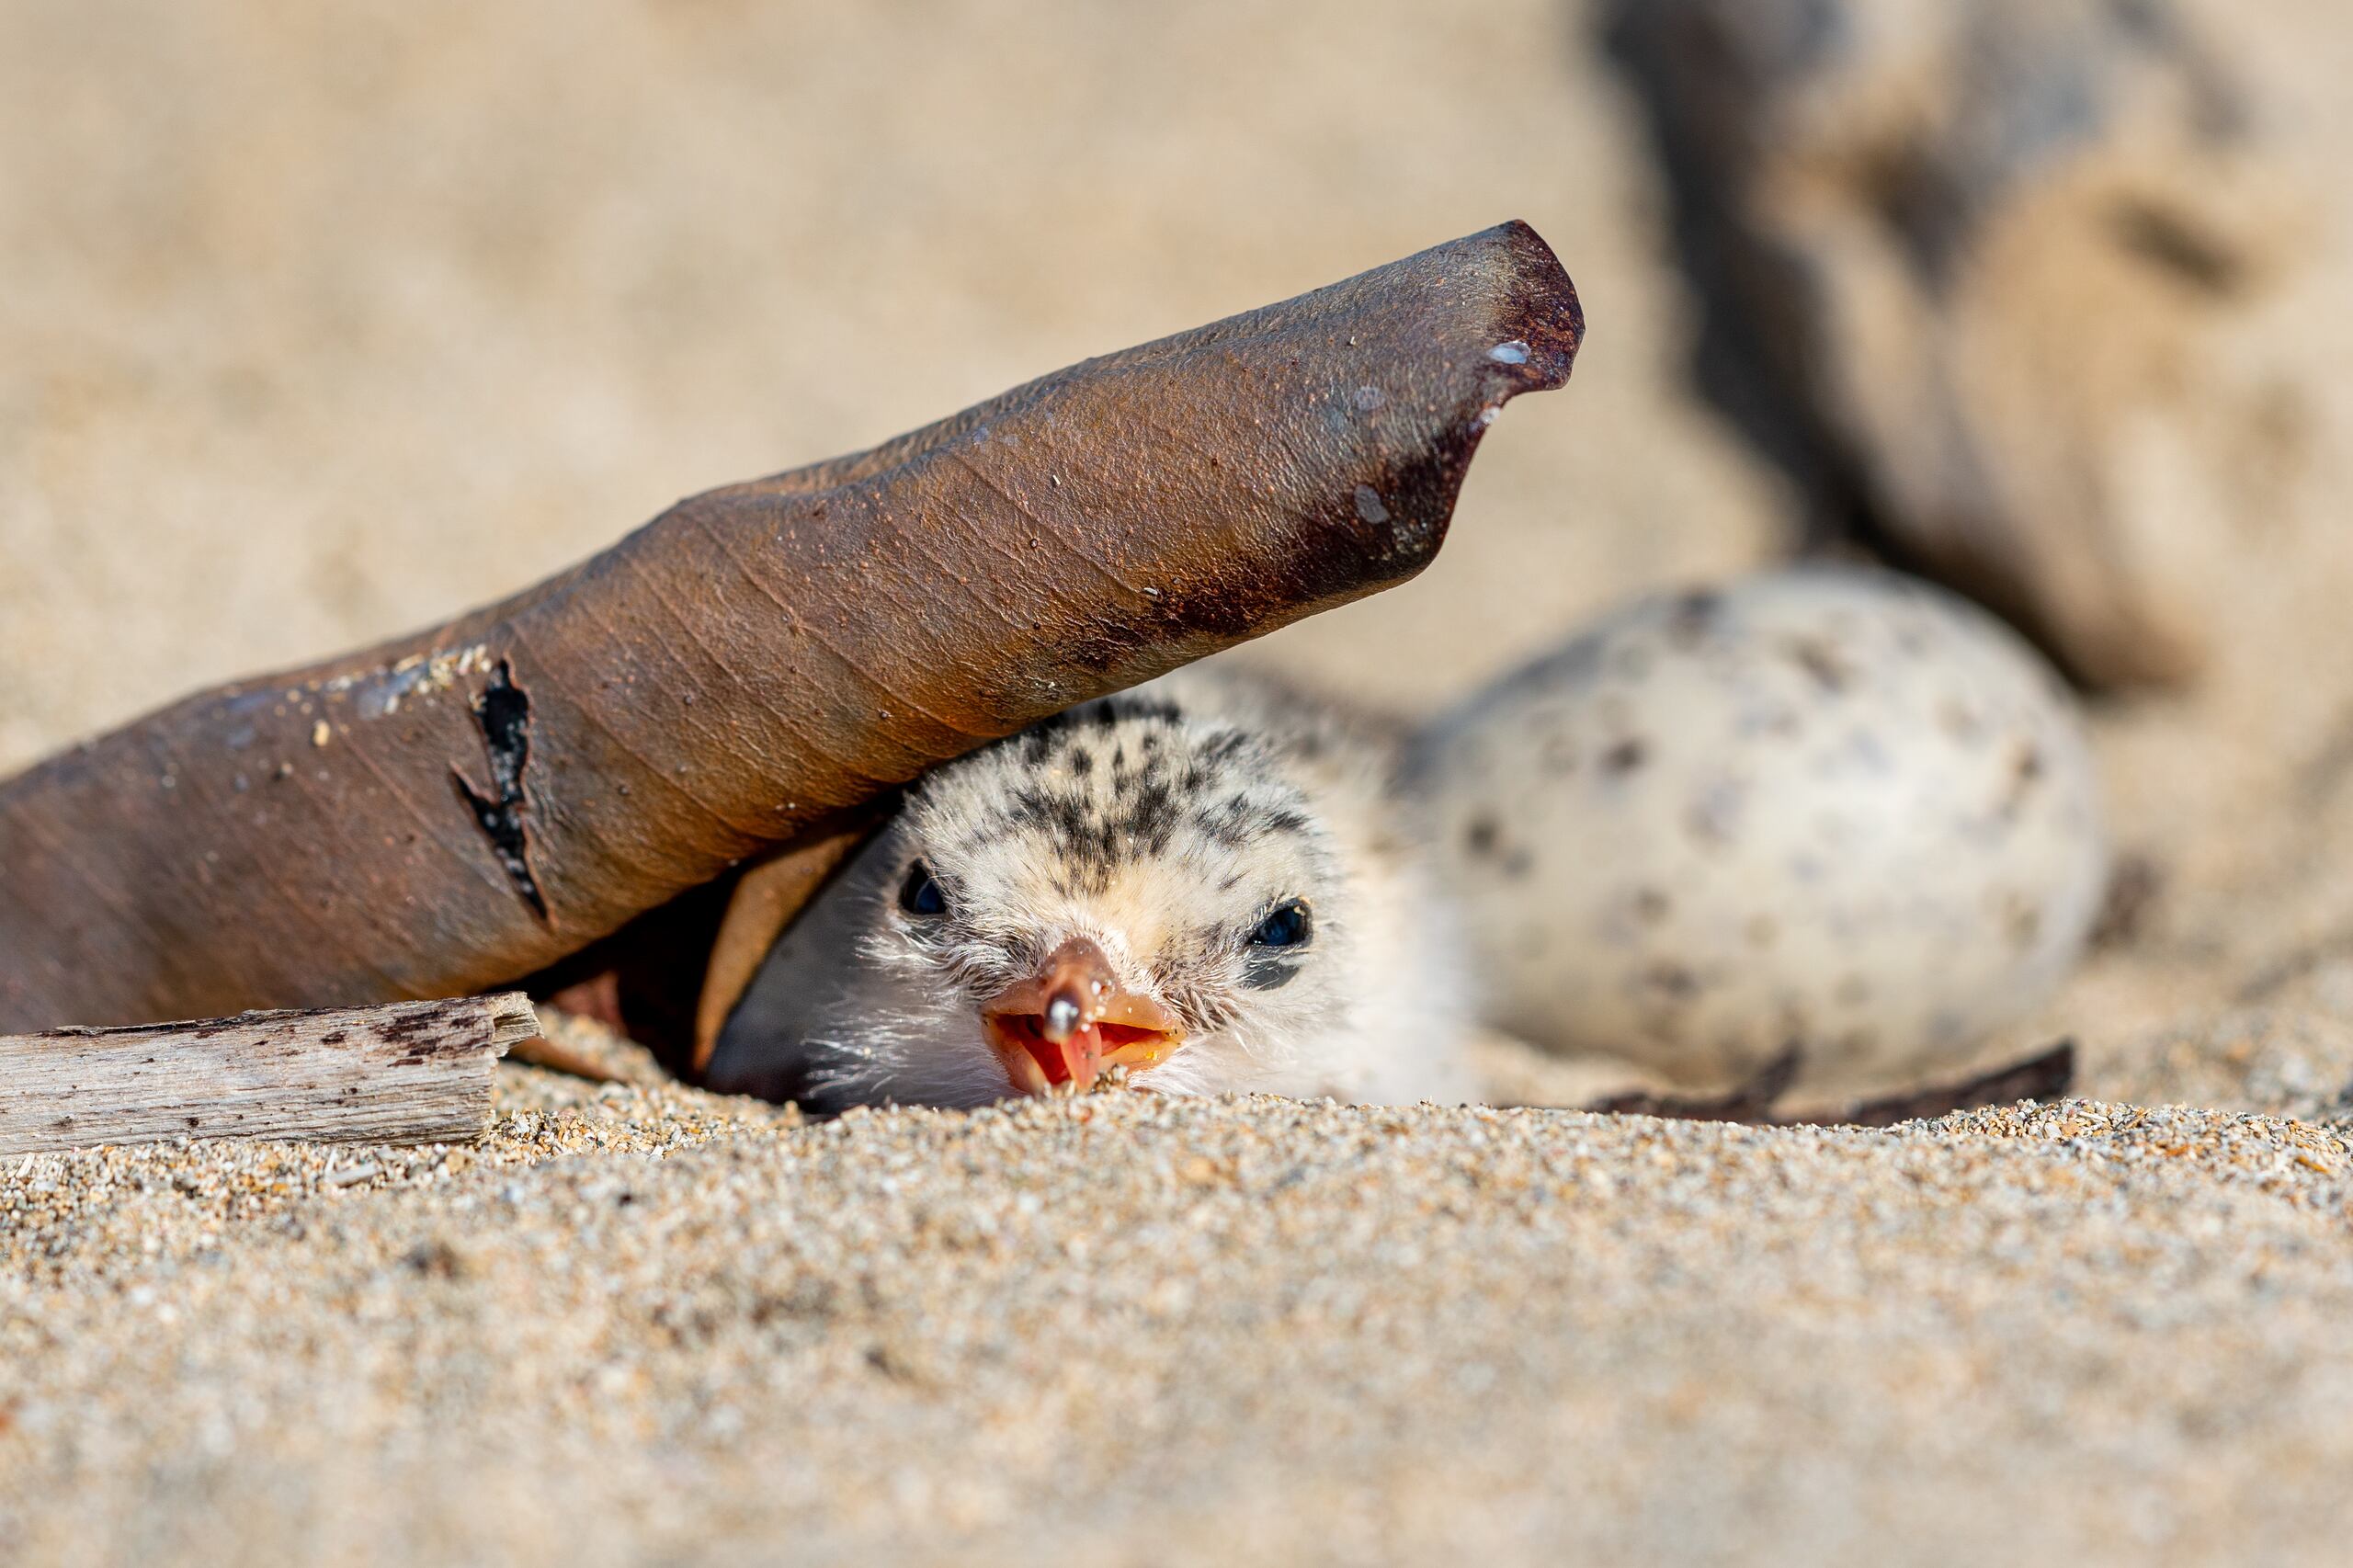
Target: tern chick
{"points": [[1208, 882]]}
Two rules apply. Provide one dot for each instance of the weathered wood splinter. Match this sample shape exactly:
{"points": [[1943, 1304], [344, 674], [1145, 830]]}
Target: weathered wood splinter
{"points": [[411, 1072]]}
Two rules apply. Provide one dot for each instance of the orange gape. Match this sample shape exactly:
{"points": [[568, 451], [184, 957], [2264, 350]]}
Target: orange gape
{"points": [[1071, 1019]]}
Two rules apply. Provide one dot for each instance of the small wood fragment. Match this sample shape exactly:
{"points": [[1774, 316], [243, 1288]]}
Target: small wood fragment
{"points": [[407, 1073], [2047, 1075]]}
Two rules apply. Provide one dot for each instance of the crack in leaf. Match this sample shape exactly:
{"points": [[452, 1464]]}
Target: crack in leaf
{"points": [[503, 712]]}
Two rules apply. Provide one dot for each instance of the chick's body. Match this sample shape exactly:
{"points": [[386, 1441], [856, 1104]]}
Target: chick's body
{"points": [[1207, 880]]}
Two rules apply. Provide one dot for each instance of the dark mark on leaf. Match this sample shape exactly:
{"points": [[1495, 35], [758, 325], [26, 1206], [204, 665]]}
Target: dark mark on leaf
{"points": [[503, 713]]}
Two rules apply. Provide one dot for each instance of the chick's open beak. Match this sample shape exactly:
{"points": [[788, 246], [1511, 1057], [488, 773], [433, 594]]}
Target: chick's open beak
{"points": [[1071, 1019]]}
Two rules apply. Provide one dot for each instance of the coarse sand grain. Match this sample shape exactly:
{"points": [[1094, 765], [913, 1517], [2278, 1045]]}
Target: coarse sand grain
{"points": [[643, 1324]]}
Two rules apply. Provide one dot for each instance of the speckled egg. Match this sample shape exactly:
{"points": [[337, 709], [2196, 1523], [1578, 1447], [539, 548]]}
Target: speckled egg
{"points": [[1825, 807]]}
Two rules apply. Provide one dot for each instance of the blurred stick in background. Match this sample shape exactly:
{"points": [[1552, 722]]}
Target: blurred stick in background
{"points": [[1966, 269]]}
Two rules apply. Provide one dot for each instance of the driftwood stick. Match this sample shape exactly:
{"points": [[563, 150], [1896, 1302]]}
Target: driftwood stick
{"points": [[2046, 1075], [410, 1073]]}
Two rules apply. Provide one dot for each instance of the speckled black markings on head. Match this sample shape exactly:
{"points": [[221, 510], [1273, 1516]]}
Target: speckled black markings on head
{"points": [[1223, 748], [1151, 781], [1224, 822], [1038, 742], [1237, 820]]}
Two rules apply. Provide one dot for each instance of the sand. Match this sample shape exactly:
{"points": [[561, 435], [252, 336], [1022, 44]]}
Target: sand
{"points": [[646, 1326], [319, 328]]}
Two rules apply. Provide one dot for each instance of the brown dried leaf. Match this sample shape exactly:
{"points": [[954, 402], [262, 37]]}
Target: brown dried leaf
{"points": [[750, 667]]}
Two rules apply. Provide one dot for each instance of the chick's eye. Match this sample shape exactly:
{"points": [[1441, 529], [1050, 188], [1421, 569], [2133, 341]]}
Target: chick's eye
{"points": [[1288, 926], [920, 894]]}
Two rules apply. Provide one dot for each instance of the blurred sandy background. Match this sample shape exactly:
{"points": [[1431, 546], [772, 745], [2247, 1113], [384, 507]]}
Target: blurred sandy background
{"points": [[318, 323]]}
